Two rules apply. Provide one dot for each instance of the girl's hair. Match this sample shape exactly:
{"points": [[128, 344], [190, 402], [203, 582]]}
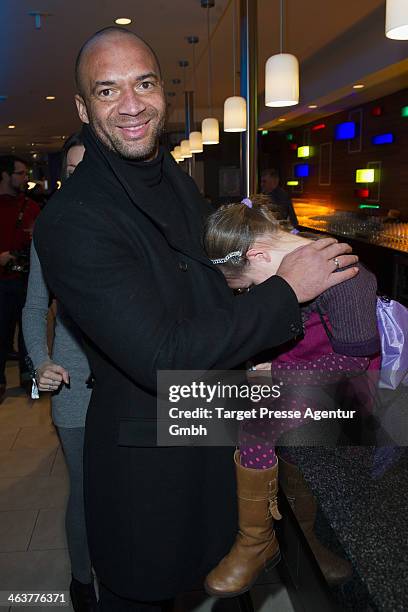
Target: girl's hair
{"points": [[232, 229], [75, 140]]}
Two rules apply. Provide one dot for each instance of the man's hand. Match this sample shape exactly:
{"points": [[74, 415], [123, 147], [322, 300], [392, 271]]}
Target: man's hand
{"points": [[5, 257], [50, 376], [311, 269]]}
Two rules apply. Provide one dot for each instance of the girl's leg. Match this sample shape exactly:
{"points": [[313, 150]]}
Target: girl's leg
{"points": [[72, 440]]}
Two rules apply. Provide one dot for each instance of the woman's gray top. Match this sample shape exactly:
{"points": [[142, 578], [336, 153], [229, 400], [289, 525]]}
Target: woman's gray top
{"points": [[69, 404]]}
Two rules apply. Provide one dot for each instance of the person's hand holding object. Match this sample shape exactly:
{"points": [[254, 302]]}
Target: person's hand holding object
{"points": [[50, 376], [312, 269]]}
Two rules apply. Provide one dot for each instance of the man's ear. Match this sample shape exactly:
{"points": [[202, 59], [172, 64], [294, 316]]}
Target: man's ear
{"points": [[81, 108]]}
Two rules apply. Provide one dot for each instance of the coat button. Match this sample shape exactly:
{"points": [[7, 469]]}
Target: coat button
{"points": [[183, 266]]}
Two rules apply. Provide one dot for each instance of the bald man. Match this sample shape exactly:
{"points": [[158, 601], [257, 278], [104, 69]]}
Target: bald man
{"points": [[120, 246]]}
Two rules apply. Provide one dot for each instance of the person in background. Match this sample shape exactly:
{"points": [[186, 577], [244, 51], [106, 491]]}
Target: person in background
{"points": [[281, 200], [248, 245], [65, 374], [17, 216]]}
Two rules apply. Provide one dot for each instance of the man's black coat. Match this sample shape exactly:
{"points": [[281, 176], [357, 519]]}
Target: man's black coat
{"points": [[147, 298]]}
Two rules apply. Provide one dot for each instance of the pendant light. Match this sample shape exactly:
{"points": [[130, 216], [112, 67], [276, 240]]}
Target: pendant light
{"points": [[282, 75], [177, 153], [185, 149], [396, 19], [209, 127], [196, 140], [235, 117]]}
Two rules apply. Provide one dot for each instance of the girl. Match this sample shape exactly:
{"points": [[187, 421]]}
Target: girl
{"points": [[340, 342]]}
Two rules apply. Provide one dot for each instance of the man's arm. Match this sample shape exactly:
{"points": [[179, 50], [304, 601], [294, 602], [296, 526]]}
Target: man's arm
{"points": [[114, 300]]}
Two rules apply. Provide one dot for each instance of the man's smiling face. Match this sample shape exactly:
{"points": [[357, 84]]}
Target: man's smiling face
{"points": [[122, 95]]}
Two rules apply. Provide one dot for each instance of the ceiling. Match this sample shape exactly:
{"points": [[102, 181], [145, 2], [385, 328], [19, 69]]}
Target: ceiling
{"points": [[40, 61]]}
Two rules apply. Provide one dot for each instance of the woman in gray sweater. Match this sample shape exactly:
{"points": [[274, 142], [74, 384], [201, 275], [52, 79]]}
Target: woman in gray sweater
{"points": [[65, 373]]}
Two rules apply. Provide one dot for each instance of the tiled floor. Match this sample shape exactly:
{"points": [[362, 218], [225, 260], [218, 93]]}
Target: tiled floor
{"points": [[33, 492]]}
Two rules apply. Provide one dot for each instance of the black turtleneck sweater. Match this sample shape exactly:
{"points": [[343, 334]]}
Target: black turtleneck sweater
{"points": [[152, 176]]}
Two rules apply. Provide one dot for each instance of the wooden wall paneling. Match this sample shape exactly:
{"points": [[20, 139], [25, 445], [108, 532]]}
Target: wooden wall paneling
{"points": [[354, 145], [340, 193], [325, 164], [375, 188]]}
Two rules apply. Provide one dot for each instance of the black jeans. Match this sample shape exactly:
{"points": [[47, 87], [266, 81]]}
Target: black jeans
{"points": [[110, 602], [12, 298]]}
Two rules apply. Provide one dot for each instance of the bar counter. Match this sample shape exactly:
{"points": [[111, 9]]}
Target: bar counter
{"points": [[386, 257], [363, 514]]}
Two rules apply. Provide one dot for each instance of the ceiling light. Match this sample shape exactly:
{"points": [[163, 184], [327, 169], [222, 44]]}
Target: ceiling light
{"points": [[312, 106], [358, 86], [235, 111], [177, 152], [123, 21], [281, 119], [196, 142], [396, 19], [11, 127], [185, 149], [282, 75], [282, 80], [50, 97]]}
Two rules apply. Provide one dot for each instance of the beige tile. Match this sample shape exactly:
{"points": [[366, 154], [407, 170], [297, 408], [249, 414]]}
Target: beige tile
{"points": [[16, 528], [49, 530], [26, 462], [41, 436], [38, 570], [33, 493], [59, 468], [20, 412], [8, 434]]}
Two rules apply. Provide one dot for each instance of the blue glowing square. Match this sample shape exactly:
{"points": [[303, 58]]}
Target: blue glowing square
{"points": [[382, 139], [345, 131], [301, 170]]}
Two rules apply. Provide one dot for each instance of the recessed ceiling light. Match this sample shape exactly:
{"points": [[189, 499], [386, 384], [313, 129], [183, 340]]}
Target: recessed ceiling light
{"points": [[11, 127], [50, 97], [123, 21], [358, 86], [312, 105], [281, 119]]}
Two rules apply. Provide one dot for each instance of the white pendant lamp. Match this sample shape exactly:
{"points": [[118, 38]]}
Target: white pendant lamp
{"points": [[196, 142], [209, 127], [177, 152], [210, 131], [235, 111], [396, 19], [174, 156], [282, 75], [185, 149], [235, 114]]}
